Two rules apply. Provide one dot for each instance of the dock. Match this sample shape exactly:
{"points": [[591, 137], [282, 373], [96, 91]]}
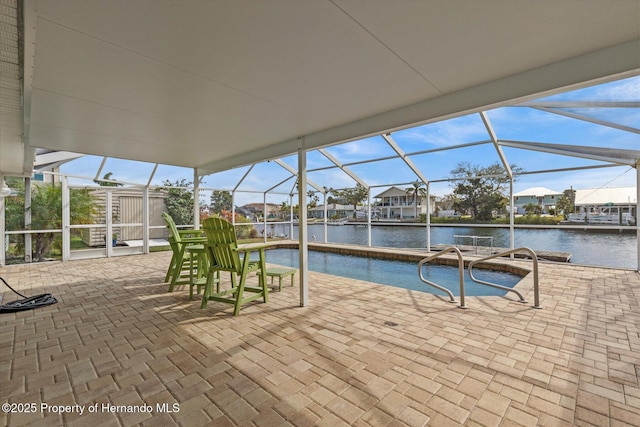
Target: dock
{"points": [[488, 250]]}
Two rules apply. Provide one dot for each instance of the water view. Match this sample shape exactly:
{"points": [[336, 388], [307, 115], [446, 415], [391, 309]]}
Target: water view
{"points": [[607, 248]]}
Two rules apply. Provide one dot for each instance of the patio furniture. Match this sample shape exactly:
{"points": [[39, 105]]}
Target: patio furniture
{"points": [[198, 267], [280, 273], [178, 271], [224, 255]]}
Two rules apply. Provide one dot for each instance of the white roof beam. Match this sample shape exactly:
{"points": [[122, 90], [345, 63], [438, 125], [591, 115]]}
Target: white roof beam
{"points": [[378, 159], [612, 155], [342, 167], [54, 157], [576, 168], [104, 160], [152, 174], [451, 147], [243, 178], [295, 172], [413, 153], [279, 184], [405, 158], [589, 119], [494, 139], [579, 104]]}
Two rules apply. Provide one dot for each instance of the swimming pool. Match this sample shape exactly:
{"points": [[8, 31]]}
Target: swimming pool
{"points": [[400, 274]]}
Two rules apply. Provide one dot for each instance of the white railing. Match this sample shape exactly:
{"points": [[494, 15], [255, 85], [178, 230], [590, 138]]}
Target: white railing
{"points": [[536, 287], [460, 274]]}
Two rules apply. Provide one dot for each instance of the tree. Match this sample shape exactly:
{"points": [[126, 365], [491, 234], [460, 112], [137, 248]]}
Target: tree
{"points": [[416, 190], [284, 209], [567, 202], [221, 200], [352, 196], [480, 190], [313, 198], [103, 183], [532, 209], [179, 201], [46, 214]]}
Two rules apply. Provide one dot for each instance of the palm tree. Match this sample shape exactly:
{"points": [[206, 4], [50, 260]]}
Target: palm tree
{"points": [[313, 198], [284, 208], [416, 190]]}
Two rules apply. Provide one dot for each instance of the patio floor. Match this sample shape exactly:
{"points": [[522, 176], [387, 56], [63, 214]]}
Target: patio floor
{"points": [[359, 354]]}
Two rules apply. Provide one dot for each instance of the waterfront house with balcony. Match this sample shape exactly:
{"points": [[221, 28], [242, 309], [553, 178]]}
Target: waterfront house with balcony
{"points": [[395, 203], [545, 198]]}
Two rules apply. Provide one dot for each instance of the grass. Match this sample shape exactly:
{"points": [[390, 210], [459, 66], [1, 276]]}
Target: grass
{"points": [[77, 243]]}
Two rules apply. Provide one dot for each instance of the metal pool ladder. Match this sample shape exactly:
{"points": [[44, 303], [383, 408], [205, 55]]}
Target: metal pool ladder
{"points": [[460, 273], [534, 258]]}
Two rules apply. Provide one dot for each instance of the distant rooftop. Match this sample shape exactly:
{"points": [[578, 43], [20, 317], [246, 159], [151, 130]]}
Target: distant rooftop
{"points": [[537, 192], [601, 196]]}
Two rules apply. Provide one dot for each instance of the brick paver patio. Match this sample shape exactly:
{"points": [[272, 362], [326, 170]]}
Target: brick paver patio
{"points": [[359, 354]]}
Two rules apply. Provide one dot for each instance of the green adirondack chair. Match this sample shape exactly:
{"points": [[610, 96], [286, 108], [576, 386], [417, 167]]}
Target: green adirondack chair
{"points": [[181, 264], [226, 255]]}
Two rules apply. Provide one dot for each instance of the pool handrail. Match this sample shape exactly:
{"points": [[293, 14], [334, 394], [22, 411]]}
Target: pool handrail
{"points": [[534, 258], [460, 272]]}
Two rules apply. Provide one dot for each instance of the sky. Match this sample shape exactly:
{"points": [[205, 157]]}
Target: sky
{"points": [[509, 123]]}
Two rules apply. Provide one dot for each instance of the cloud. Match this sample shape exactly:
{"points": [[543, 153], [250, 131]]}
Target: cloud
{"points": [[621, 90], [362, 149], [335, 178], [455, 131]]}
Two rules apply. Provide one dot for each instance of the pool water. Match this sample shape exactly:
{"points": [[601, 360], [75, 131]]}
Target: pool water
{"points": [[400, 274]]}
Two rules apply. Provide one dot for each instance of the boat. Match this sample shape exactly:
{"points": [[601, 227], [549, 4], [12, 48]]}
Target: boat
{"points": [[609, 215], [310, 220], [339, 221]]}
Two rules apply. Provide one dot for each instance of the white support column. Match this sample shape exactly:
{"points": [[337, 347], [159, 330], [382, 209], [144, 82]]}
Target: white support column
{"points": [[145, 220], [638, 214], [264, 216], [369, 216], [291, 216], [325, 219], [27, 220], [66, 220], [233, 208], [196, 200], [109, 218], [512, 230], [302, 225], [428, 218], [3, 248]]}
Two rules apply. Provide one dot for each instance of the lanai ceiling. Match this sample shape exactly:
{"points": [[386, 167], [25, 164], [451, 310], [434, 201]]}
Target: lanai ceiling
{"points": [[218, 84]]}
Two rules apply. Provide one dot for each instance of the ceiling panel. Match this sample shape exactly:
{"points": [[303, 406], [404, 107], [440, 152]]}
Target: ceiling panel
{"points": [[293, 54], [218, 84], [457, 44]]}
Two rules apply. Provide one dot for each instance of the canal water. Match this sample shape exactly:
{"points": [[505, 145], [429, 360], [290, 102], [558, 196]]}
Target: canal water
{"points": [[607, 248]]}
